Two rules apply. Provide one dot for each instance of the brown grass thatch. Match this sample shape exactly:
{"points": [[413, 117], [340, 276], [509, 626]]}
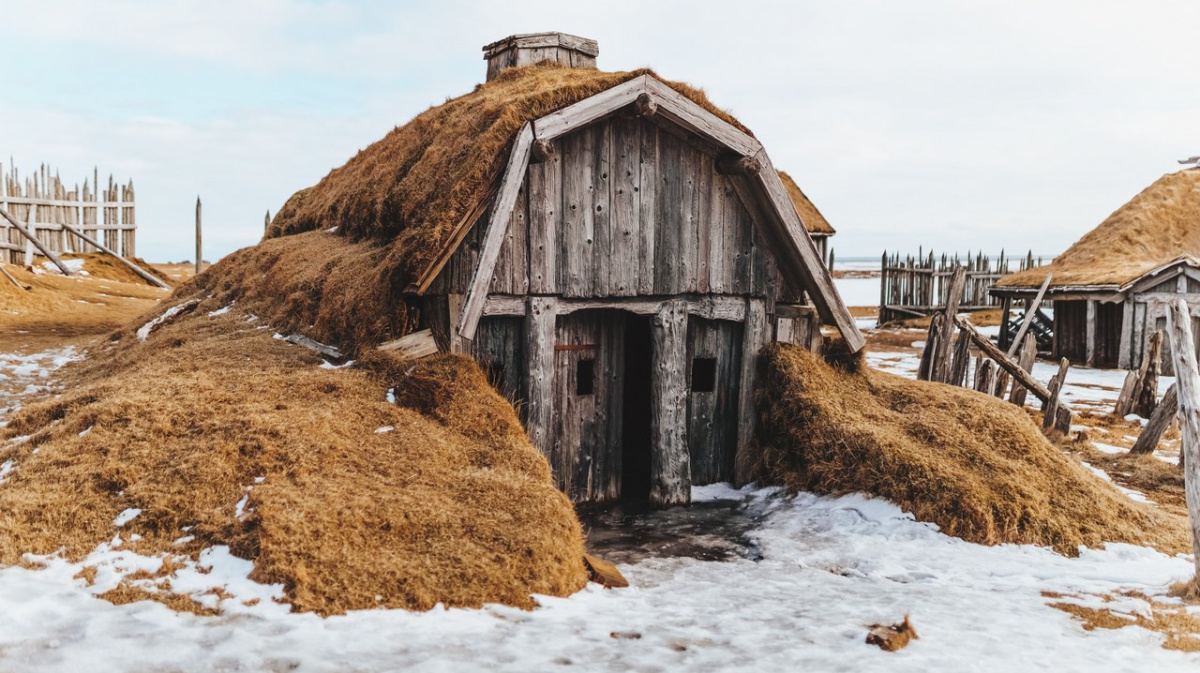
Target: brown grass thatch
{"points": [[452, 506], [1156, 227], [812, 218], [416, 184], [972, 464]]}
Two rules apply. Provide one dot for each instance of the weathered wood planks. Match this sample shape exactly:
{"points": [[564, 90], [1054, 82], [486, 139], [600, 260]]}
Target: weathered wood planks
{"points": [[670, 471]]}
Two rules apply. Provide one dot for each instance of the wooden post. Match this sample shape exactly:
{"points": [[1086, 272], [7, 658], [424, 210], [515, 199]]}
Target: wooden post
{"points": [[1164, 414], [1146, 393], [1025, 361], [670, 463], [1089, 336], [962, 359], [1051, 404], [754, 336], [941, 369], [199, 247], [1183, 353], [541, 315], [1125, 398], [983, 379], [927, 366], [1027, 319], [1001, 386]]}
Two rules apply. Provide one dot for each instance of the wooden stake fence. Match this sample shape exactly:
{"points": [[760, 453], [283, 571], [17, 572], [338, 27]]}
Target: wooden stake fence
{"points": [[45, 204], [917, 286]]}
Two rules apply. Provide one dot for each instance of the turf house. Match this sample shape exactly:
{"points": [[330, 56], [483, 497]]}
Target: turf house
{"points": [[615, 250], [1111, 287]]}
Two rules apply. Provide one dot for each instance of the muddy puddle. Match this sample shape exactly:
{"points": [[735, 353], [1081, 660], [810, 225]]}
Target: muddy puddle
{"points": [[709, 530]]}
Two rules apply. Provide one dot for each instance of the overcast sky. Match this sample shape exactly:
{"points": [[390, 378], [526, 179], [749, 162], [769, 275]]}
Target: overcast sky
{"points": [[958, 125]]}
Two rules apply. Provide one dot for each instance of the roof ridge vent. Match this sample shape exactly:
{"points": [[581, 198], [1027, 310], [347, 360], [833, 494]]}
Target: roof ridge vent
{"points": [[529, 48]]}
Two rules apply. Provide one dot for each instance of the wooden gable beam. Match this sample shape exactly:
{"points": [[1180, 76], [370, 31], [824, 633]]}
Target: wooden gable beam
{"points": [[686, 113], [493, 237], [590, 109]]}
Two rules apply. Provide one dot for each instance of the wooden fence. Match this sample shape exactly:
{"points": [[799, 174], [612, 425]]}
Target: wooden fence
{"points": [[911, 287], [45, 204]]}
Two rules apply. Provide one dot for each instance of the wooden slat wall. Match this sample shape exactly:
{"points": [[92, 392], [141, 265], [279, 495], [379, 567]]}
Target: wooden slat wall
{"points": [[713, 416], [624, 208]]}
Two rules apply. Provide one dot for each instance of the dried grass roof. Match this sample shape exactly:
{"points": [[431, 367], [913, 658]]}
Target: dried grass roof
{"points": [[454, 505], [416, 185], [812, 218], [976, 466], [1158, 226]]}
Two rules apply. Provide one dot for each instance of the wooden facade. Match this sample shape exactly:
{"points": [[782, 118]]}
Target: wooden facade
{"points": [[1110, 326], [636, 257]]}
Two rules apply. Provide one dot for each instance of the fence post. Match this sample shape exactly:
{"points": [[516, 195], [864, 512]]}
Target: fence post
{"points": [[199, 247]]}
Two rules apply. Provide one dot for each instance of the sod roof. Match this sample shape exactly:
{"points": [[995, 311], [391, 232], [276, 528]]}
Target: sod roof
{"points": [[1158, 226], [414, 187]]}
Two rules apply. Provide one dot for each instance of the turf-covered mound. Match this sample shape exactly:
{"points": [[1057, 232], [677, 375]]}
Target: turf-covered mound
{"points": [[974, 465], [333, 290], [215, 430]]}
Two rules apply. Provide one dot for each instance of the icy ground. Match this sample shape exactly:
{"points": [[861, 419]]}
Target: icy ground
{"points": [[25, 374], [797, 582], [827, 568]]}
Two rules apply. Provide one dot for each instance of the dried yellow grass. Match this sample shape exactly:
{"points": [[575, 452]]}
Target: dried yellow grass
{"points": [[812, 218], [416, 184], [458, 508], [972, 464], [107, 298], [1156, 227]]}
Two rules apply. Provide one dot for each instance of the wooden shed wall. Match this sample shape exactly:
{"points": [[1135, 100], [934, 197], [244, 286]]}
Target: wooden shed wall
{"points": [[625, 208]]}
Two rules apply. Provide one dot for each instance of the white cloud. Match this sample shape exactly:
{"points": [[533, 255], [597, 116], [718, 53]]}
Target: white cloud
{"points": [[984, 124]]}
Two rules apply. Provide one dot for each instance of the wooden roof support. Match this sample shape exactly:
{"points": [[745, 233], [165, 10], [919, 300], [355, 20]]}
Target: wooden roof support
{"points": [[493, 237]]}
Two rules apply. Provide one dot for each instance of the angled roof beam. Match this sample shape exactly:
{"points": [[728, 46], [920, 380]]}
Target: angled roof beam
{"points": [[813, 271], [493, 237]]}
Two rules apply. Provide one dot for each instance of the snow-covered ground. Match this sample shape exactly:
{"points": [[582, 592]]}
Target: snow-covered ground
{"points": [[828, 567], [22, 375], [814, 573]]}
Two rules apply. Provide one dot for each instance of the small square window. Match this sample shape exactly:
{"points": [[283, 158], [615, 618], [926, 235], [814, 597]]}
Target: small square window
{"points": [[704, 375], [585, 377]]}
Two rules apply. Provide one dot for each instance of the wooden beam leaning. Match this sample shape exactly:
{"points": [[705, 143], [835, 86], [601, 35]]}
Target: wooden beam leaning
{"points": [[1179, 327], [1164, 414], [493, 237], [35, 242], [670, 463], [812, 269], [1014, 370], [146, 275], [1027, 320]]}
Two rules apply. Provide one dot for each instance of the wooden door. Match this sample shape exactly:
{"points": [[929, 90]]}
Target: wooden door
{"points": [[714, 373], [589, 381]]}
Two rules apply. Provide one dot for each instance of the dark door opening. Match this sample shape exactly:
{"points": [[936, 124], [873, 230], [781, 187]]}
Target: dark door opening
{"points": [[635, 437]]}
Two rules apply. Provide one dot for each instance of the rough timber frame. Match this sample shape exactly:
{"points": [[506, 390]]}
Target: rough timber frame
{"points": [[762, 193]]}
